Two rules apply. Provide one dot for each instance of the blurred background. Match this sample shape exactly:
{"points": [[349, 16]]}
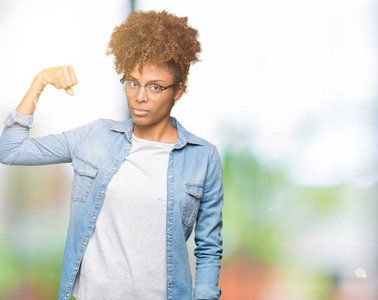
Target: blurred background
{"points": [[287, 90]]}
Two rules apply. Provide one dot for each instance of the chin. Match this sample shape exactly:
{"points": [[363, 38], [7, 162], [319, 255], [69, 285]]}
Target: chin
{"points": [[140, 121]]}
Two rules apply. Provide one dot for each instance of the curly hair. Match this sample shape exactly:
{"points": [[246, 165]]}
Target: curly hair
{"points": [[155, 38]]}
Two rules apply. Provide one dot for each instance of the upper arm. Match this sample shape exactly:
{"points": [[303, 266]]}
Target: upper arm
{"points": [[17, 149], [209, 220]]}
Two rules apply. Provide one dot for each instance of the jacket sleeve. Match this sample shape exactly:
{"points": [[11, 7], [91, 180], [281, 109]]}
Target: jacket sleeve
{"points": [[208, 237], [17, 149]]}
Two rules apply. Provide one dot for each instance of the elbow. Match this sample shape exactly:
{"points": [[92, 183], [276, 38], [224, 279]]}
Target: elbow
{"points": [[6, 152], [5, 159]]}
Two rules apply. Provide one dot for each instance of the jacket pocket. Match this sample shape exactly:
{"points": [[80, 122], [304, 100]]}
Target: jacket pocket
{"points": [[193, 196], [84, 175]]}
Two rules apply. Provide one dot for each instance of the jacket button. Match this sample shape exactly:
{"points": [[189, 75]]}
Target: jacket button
{"points": [[170, 202], [197, 194], [85, 243], [114, 168], [75, 268], [94, 218], [169, 258], [128, 148], [169, 230], [81, 171], [68, 295], [169, 285], [102, 192]]}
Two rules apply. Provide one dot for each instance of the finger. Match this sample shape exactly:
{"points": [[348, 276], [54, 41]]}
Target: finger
{"points": [[63, 80], [73, 76], [67, 78], [55, 80], [70, 91]]}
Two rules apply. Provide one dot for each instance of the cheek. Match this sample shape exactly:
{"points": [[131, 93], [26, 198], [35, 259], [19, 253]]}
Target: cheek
{"points": [[129, 101], [168, 105]]}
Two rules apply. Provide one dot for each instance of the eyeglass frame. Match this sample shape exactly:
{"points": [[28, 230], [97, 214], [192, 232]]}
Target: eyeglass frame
{"points": [[163, 88]]}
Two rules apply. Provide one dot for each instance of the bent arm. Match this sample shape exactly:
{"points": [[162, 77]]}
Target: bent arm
{"points": [[17, 149], [208, 233]]}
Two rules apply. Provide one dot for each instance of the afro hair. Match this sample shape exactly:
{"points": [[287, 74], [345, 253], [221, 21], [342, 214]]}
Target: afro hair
{"points": [[155, 38]]}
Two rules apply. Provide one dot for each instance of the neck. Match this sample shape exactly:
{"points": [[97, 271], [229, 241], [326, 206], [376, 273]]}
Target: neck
{"points": [[163, 133]]}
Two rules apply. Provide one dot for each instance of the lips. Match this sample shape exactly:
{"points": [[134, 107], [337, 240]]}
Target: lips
{"points": [[139, 111]]}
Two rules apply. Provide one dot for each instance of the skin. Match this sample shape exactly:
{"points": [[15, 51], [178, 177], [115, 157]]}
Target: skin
{"points": [[152, 117], [60, 77]]}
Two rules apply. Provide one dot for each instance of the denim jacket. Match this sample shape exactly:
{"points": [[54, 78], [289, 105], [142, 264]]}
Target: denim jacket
{"points": [[96, 151]]}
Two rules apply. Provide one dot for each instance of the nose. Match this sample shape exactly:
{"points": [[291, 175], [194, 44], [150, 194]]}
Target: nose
{"points": [[141, 96]]}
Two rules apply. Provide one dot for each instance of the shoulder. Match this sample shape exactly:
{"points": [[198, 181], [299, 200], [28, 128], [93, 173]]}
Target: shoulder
{"points": [[191, 139]]}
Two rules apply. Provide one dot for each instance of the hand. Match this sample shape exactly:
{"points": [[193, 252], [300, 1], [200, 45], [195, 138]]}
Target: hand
{"points": [[60, 77]]}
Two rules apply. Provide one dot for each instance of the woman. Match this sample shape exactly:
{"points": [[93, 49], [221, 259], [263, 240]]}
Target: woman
{"points": [[139, 185]]}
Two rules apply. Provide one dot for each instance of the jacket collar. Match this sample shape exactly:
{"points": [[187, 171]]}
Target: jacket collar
{"points": [[184, 136]]}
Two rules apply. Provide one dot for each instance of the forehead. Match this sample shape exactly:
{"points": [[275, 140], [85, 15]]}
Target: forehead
{"points": [[151, 73]]}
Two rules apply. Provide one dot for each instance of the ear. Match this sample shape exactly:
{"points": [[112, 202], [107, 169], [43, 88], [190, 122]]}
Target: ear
{"points": [[179, 91]]}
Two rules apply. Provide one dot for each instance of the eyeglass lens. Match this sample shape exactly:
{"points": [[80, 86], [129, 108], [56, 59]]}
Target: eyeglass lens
{"points": [[152, 91]]}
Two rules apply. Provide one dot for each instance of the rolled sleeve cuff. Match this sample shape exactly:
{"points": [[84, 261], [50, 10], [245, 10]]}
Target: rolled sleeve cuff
{"points": [[23, 120], [207, 292]]}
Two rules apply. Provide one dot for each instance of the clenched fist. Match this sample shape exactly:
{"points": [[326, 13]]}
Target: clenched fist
{"points": [[60, 77]]}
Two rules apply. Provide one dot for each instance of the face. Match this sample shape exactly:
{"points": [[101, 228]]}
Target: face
{"points": [[147, 112]]}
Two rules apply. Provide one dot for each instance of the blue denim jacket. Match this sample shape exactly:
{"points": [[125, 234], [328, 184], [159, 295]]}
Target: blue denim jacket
{"points": [[96, 151]]}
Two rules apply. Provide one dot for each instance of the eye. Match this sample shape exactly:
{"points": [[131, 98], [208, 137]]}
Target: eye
{"points": [[154, 88], [132, 84]]}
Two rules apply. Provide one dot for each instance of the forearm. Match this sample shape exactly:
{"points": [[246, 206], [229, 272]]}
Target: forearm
{"points": [[28, 103], [60, 77], [15, 147], [207, 273]]}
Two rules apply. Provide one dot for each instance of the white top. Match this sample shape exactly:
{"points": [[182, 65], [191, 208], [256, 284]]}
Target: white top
{"points": [[126, 255]]}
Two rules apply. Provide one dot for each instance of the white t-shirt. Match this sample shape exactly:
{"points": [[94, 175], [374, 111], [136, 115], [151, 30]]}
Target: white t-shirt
{"points": [[126, 255]]}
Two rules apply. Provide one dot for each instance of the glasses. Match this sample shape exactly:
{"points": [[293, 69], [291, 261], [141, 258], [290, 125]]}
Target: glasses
{"points": [[153, 90]]}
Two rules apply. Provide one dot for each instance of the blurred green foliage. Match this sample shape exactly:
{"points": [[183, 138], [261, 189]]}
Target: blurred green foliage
{"points": [[39, 270], [262, 206], [32, 235]]}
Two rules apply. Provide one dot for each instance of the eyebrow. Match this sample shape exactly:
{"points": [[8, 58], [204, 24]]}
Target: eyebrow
{"points": [[151, 81]]}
